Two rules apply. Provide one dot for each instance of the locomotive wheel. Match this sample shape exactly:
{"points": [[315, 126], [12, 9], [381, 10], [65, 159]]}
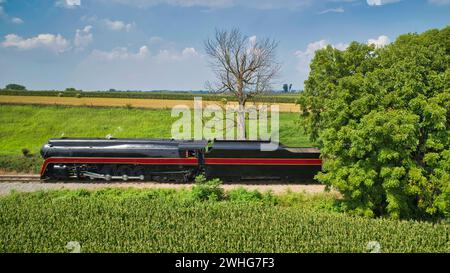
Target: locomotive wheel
{"points": [[109, 170], [231, 179], [138, 171], [158, 178], [131, 170]]}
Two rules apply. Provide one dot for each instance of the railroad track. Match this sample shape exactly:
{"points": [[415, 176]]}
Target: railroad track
{"points": [[20, 178], [30, 178]]}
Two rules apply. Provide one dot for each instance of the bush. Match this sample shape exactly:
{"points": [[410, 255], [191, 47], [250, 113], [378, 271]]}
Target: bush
{"points": [[28, 164], [242, 195], [78, 95], [26, 152], [382, 119], [207, 190]]}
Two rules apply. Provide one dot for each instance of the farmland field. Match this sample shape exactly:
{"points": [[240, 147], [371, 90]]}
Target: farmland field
{"points": [[112, 220], [30, 126], [135, 102], [160, 95]]}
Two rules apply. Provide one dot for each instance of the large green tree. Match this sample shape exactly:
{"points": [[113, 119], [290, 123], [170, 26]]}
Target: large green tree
{"points": [[382, 120]]}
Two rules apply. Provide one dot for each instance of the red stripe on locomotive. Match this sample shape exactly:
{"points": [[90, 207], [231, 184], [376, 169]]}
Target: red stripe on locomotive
{"points": [[109, 160], [181, 161]]}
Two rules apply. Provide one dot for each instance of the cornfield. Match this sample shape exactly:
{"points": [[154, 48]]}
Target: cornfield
{"points": [[154, 222]]}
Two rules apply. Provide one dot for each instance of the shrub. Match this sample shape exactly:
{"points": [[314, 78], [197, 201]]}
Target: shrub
{"points": [[28, 164], [242, 195], [207, 190], [26, 152], [78, 95], [382, 119]]}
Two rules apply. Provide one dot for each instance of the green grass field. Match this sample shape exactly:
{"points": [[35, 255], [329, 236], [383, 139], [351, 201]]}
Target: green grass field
{"points": [[30, 126], [113, 220]]}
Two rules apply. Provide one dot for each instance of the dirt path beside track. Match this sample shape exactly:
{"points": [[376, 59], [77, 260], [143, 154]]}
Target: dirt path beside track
{"points": [[7, 187]]}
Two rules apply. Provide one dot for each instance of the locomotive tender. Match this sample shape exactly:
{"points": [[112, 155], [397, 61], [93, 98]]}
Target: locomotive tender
{"points": [[175, 160]]}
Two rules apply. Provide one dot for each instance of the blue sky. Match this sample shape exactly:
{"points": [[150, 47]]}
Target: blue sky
{"points": [[158, 44]]}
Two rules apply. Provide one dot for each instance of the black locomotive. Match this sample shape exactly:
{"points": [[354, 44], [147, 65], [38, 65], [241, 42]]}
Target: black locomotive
{"points": [[175, 160]]}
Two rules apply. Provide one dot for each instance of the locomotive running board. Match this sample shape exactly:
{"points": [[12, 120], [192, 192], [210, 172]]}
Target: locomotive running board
{"points": [[108, 177]]}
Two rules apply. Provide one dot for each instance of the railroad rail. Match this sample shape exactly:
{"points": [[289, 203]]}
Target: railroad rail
{"points": [[20, 178], [26, 178]]}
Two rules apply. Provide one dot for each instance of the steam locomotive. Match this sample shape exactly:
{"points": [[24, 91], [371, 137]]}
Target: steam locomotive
{"points": [[169, 160]]}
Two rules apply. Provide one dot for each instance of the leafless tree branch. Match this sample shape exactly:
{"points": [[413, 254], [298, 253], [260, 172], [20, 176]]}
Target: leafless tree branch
{"points": [[244, 67]]}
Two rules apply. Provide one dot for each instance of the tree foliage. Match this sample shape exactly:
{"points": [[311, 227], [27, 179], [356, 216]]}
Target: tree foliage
{"points": [[13, 86], [287, 88], [382, 118]]}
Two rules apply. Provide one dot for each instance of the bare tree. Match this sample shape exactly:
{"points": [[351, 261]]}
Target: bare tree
{"points": [[243, 66]]}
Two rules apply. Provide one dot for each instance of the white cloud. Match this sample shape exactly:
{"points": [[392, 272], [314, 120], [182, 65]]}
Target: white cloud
{"points": [[83, 37], [314, 46], [118, 25], [251, 45], [252, 40], [163, 55], [89, 19], [69, 4], [166, 55], [439, 2], [17, 20], [189, 51], [6, 17], [115, 25], [143, 69], [143, 51], [381, 2], [381, 41], [214, 4], [120, 53], [154, 40], [336, 10], [73, 2], [56, 43]]}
